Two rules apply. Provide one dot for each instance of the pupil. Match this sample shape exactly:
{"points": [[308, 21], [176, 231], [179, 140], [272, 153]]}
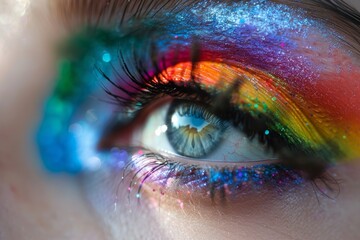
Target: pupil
{"points": [[192, 130]]}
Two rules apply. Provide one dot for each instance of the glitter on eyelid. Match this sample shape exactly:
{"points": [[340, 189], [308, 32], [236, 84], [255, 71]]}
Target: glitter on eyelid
{"points": [[265, 16]]}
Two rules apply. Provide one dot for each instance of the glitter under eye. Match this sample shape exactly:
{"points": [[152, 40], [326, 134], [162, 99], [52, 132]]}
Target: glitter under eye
{"points": [[171, 176]]}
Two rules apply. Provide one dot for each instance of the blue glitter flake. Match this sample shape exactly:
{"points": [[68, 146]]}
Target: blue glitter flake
{"points": [[106, 57]]}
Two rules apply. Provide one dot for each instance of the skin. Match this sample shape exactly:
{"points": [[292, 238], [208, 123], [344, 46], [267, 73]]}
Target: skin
{"points": [[35, 204]]}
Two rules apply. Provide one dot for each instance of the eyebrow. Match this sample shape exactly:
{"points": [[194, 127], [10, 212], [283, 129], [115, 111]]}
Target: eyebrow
{"points": [[90, 12], [74, 13]]}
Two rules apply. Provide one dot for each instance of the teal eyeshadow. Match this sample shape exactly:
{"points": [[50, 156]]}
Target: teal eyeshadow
{"points": [[79, 88], [67, 133]]}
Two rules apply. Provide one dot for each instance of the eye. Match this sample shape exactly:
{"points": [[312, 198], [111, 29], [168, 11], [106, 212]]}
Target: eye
{"points": [[189, 129], [250, 106]]}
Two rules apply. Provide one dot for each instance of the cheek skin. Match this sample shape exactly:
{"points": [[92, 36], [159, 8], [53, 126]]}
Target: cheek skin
{"points": [[120, 215], [297, 214]]}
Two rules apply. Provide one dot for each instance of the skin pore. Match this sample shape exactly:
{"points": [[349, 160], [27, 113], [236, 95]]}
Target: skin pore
{"points": [[35, 204]]}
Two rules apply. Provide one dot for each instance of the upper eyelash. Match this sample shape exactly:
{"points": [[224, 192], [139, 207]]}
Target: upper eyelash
{"points": [[144, 90]]}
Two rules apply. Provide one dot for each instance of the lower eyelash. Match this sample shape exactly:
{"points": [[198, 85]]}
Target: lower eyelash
{"points": [[155, 169], [165, 175]]}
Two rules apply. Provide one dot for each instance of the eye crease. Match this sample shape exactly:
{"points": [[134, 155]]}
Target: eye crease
{"points": [[108, 77]]}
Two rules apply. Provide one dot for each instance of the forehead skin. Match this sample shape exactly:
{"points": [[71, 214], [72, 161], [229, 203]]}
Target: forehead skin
{"points": [[34, 205]]}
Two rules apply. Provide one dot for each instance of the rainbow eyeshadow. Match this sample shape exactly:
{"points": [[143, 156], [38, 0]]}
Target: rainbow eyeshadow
{"points": [[297, 119], [266, 53]]}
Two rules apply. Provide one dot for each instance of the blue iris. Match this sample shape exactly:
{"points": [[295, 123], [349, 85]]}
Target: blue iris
{"points": [[192, 130]]}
